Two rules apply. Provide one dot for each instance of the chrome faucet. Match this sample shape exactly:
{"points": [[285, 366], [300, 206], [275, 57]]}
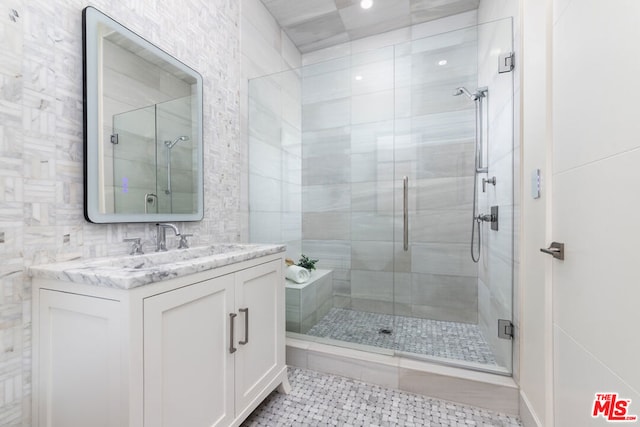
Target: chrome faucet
{"points": [[161, 237]]}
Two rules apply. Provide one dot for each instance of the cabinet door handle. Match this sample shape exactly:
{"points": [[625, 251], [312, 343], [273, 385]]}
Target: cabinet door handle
{"points": [[246, 325], [232, 317]]}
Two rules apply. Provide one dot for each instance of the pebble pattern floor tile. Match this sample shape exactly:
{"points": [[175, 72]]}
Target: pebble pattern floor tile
{"points": [[319, 399], [451, 340]]}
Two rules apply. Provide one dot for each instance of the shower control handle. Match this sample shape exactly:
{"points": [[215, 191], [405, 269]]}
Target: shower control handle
{"points": [[486, 181], [491, 218], [486, 218]]}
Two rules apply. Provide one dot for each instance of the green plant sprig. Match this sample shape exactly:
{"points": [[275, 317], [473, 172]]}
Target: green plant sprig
{"points": [[306, 262]]}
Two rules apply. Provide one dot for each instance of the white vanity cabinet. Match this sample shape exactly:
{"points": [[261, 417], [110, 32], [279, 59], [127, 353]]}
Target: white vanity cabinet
{"points": [[196, 351]]}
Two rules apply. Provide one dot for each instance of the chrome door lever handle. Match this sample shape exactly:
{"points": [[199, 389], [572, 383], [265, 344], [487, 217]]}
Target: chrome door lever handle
{"points": [[556, 250]]}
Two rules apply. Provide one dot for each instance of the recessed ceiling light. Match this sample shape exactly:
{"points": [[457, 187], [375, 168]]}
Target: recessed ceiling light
{"points": [[358, 77], [366, 4], [442, 62]]}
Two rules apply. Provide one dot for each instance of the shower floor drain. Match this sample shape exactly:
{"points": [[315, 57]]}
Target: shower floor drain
{"points": [[385, 331]]}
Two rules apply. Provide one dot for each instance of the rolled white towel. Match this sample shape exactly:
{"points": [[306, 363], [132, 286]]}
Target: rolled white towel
{"points": [[297, 274]]}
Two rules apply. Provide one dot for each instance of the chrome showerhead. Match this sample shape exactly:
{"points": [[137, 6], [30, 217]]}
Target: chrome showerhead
{"points": [[481, 92], [170, 144], [463, 90]]}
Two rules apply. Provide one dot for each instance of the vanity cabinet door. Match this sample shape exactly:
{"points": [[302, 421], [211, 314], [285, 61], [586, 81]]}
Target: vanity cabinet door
{"points": [[188, 369], [78, 377], [260, 342]]}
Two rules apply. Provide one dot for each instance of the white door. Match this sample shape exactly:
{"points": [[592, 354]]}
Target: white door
{"points": [[596, 208], [260, 329], [188, 369]]}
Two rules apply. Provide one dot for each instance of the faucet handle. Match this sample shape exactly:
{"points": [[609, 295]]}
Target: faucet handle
{"points": [[136, 248], [184, 243]]}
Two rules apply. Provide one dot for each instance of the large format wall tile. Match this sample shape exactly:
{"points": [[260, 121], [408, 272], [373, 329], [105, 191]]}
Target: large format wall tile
{"points": [[443, 258], [326, 114]]}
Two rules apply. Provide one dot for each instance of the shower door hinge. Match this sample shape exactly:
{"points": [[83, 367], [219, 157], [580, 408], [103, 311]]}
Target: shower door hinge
{"points": [[114, 138], [506, 62], [505, 329]]}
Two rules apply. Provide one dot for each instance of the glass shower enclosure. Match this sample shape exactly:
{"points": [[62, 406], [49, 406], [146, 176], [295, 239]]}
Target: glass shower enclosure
{"points": [[150, 162], [382, 165]]}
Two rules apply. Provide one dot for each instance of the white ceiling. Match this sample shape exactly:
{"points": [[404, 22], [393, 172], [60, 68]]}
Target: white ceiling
{"points": [[315, 24]]}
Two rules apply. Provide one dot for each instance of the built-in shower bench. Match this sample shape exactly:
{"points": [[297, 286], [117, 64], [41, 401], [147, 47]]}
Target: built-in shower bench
{"points": [[308, 302]]}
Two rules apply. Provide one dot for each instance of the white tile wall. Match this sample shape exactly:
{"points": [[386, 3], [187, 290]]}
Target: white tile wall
{"points": [[41, 190]]}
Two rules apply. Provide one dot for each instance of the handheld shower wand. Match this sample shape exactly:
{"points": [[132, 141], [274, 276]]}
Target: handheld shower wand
{"points": [[477, 98]]}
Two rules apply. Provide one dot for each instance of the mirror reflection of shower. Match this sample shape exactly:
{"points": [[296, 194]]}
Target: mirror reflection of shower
{"points": [[150, 199], [170, 145], [478, 96]]}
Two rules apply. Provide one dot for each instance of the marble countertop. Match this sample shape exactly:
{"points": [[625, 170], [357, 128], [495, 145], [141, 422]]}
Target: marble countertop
{"points": [[132, 271]]}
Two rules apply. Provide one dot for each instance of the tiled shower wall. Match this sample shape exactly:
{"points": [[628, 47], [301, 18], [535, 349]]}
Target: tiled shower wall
{"points": [[41, 192], [371, 115]]}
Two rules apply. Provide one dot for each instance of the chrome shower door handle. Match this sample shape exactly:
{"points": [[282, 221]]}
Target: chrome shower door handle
{"points": [[246, 326], [405, 212]]}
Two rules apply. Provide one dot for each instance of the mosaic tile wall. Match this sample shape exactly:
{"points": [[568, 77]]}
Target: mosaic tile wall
{"points": [[41, 160]]}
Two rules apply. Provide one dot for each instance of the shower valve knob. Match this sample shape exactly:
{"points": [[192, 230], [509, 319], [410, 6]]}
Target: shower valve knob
{"points": [[486, 181], [486, 218]]}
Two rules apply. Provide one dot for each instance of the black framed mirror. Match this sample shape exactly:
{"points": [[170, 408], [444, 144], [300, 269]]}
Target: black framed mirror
{"points": [[143, 152]]}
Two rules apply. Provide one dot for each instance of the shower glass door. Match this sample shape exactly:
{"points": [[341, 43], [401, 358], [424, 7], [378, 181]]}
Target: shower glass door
{"points": [[134, 161], [373, 174], [447, 305]]}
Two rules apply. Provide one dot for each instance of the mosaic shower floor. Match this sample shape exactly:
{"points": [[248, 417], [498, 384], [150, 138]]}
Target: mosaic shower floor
{"points": [[451, 340], [318, 399]]}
